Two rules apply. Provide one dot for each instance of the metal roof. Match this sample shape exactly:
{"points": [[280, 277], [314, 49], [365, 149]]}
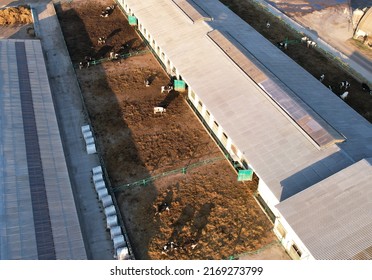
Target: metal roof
{"points": [[38, 218], [192, 10], [307, 120], [283, 157], [334, 217]]}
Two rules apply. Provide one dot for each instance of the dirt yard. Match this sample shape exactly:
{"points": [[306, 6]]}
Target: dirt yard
{"points": [[314, 61], [212, 216]]}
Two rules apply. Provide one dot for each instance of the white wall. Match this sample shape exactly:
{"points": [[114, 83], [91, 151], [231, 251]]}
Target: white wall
{"points": [[290, 238], [268, 197]]}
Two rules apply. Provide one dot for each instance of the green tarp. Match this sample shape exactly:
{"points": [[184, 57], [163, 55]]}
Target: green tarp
{"points": [[179, 85], [245, 175], [132, 20]]}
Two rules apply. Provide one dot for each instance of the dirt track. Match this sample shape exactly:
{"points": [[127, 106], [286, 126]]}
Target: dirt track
{"points": [[208, 207]]}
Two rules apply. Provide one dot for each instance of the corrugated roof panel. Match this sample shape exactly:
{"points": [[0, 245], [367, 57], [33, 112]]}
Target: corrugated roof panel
{"points": [[334, 217], [30, 178], [43, 229], [226, 43], [311, 123]]}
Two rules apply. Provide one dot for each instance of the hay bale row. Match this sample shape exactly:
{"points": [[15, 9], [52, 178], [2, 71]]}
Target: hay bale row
{"points": [[15, 15]]}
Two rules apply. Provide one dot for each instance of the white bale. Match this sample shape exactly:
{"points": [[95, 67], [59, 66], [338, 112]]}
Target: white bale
{"points": [[97, 170], [89, 141], [115, 231], [102, 193], [110, 211], [107, 201], [97, 178], [111, 221], [91, 149], [99, 185], [122, 253], [87, 134], [119, 241], [85, 128]]}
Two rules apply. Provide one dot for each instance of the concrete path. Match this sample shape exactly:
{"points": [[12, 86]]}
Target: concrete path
{"points": [[353, 59], [71, 116]]}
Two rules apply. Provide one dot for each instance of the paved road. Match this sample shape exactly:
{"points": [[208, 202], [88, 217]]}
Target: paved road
{"points": [[71, 116]]}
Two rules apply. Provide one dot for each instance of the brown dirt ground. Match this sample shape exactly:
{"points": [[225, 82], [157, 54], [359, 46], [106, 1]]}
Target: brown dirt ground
{"points": [[314, 61], [207, 204]]}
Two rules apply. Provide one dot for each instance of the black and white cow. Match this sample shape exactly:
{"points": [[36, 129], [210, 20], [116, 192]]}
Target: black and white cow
{"points": [[345, 85]]}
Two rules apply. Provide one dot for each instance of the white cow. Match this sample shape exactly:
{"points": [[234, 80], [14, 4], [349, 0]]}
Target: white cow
{"points": [[344, 95], [160, 110]]}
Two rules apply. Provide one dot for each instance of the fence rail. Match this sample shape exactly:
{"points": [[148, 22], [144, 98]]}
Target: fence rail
{"points": [[182, 170], [122, 56]]}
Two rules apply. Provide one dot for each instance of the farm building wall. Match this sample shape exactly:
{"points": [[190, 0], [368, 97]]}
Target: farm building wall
{"points": [[290, 241], [268, 199]]}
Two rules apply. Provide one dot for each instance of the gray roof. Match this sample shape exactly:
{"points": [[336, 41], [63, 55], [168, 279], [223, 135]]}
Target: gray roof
{"points": [[38, 218], [278, 149], [334, 217]]}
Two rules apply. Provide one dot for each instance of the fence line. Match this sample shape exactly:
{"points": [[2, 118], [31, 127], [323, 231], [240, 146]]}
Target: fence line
{"points": [[238, 256], [122, 56], [182, 170]]}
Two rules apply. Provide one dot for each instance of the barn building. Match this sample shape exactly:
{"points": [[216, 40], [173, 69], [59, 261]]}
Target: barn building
{"points": [[38, 218], [310, 150]]}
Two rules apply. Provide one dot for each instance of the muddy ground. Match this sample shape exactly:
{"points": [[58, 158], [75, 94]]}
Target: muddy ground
{"points": [[212, 216]]}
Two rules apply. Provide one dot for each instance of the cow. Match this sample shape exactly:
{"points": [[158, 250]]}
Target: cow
{"points": [[169, 247], [107, 11], [166, 88], [161, 208], [101, 40], [160, 110], [366, 88], [344, 84], [114, 55], [305, 39], [282, 45], [344, 95], [311, 44]]}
